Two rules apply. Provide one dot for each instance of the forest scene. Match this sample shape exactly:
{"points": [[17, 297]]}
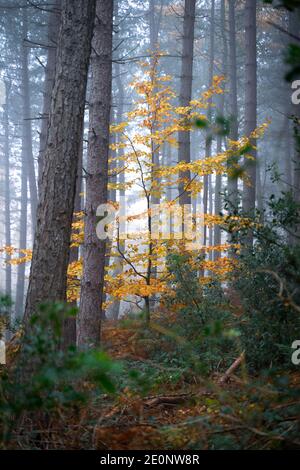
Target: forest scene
{"points": [[149, 225]]}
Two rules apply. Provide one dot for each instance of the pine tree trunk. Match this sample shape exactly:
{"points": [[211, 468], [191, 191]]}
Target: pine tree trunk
{"points": [[48, 275], [207, 191], [115, 309], [69, 326], [89, 318], [27, 170], [23, 230], [53, 30], [27, 128], [249, 192], [186, 82], [220, 109], [7, 190], [154, 25], [234, 132]]}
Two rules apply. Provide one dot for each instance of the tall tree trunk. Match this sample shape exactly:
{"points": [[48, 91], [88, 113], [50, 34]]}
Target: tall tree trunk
{"points": [[89, 319], [69, 326], [207, 179], [220, 110], [115, 309], [28, 154], [48, 275], [23, 229], [234, 131], [7, 189], [154, 25], [27, 169], [186, 82], [53, 30], [249, 192]]}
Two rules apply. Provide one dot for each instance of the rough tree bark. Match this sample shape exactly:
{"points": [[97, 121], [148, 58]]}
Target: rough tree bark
{"points": [[249, 191], [89, 318], [53, 30], [186, 82], [48, 275]]}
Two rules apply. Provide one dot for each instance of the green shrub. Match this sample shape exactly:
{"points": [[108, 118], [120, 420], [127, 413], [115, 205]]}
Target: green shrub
{"points": [[202, 337], [267, 282], [45, 379]]}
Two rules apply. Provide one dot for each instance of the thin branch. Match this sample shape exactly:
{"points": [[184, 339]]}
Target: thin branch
{"points": [[280, 28], [126, 259]]}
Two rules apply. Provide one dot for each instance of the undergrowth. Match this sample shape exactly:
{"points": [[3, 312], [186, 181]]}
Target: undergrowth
{"points": [[164, 384]]}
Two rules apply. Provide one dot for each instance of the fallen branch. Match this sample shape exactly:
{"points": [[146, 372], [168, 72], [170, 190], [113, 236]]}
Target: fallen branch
{"points": [[174, 399], [232, 368], [168, 399]]}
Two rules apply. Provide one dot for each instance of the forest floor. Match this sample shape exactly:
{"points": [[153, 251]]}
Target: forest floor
{"points": [[187, 413], [161, 406]]}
